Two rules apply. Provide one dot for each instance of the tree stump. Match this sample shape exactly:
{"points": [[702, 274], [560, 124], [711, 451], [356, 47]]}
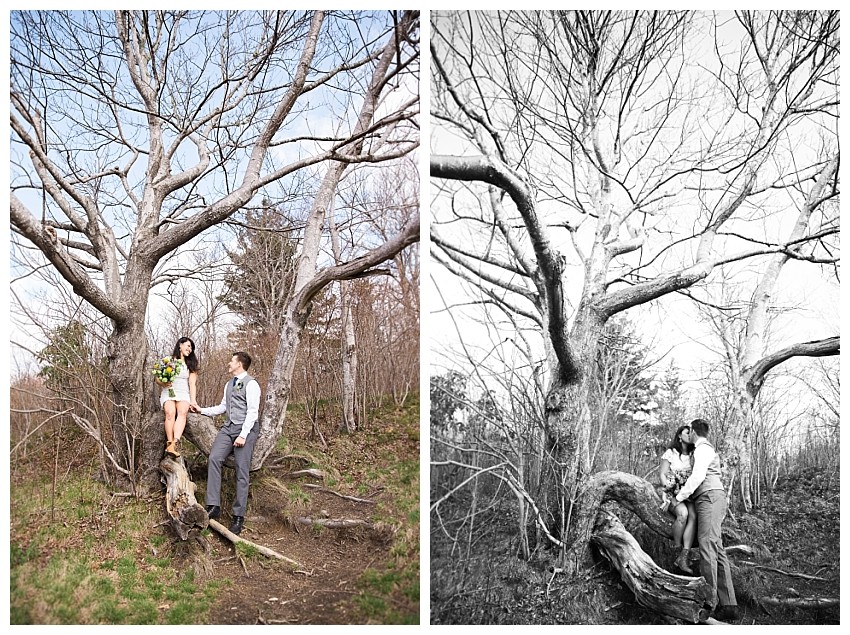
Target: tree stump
{"points": [[185, 513], [681, 597]]}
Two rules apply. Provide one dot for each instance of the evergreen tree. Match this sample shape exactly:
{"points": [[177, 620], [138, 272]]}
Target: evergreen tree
{"points": [[260, 282]]}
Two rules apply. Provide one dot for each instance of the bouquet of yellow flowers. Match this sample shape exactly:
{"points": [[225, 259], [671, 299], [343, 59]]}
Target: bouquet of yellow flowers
{"points": [[165, 370]]}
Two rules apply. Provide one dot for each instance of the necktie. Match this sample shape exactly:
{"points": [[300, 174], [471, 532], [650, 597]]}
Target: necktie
{"points": [[234, 382]]}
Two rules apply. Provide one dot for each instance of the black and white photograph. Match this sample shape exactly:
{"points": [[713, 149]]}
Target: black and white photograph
{"points": [[633, 302]]}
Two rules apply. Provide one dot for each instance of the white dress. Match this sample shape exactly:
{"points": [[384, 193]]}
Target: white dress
{"points": [[180, 385], [678, 462]]}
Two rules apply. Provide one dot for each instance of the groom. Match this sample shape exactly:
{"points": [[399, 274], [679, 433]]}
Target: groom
{"points": [[706, 491], [241, 402]]}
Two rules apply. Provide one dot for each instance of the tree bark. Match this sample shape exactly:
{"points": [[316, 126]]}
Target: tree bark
{"points": [[185, 513], [277, 397], [349, 341], [127, 353]]}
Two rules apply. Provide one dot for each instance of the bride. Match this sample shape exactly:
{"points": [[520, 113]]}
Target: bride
{"points": [[676, 466], [184, 386]]}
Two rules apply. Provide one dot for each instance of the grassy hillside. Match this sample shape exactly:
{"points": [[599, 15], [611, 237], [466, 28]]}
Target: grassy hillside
{"points": [[82, 555]]}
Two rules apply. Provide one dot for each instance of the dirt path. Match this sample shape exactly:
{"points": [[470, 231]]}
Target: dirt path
{"points": [[323, 591]]}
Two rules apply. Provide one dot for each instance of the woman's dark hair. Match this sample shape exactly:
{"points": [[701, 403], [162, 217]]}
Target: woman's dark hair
{"points": [[190, 359], [676, 443]]}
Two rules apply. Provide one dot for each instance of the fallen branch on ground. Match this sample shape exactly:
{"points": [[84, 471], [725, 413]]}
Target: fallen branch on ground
{"points": [[742, 549], [791, 574], [802, 603], [214, 524], [333, 523], [319, 488]]}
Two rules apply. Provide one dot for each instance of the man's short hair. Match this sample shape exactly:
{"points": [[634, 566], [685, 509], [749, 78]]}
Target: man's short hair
{"points": [[244, 359], [700, 426]]}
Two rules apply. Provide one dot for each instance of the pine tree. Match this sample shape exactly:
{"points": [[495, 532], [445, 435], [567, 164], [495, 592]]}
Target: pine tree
{"points": [[261, 279]]}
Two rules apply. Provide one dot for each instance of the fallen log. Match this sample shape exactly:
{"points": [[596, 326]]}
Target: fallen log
{"points": [[271, 553], [184, 511], [680, 597], [802, 603]]}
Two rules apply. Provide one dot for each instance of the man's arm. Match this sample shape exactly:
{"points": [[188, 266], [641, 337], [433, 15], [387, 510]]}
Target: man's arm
{"points": [[703, 455], [216, 410], [252, 396]]}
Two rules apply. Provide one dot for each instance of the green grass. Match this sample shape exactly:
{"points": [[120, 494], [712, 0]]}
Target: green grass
{"points": [[108, 577], [247, 551], [297, 496], [389, 593]]}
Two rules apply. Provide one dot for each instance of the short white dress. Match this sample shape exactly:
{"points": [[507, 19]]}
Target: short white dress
{"points": [[180, 385]]}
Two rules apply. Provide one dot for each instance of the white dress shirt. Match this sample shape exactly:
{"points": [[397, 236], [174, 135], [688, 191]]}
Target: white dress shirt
{"points": [[703, 456], [252, 394]]}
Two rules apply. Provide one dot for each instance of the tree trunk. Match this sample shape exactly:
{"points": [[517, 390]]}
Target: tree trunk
{"points": [[200, 430], [349, 343], [568, 423], [308, 280], [349, 369], [681, 597], [136, 460], [185, 513]]}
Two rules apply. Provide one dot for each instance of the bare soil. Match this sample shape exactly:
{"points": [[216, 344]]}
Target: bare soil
{"points": [[327, 588], [322, 590]]}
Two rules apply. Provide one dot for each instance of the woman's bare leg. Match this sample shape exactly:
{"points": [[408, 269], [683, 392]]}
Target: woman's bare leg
{"points": [[690, 527], [684, 517], [170, 414], [180, 421], [680, 511]]}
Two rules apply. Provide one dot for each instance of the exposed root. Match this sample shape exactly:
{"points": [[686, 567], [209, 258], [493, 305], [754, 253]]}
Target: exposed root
{"points": [[312, 472], [320, 488]]}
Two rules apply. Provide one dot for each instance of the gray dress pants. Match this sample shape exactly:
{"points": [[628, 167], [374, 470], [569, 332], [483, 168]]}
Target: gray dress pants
{"points": [[713, 563], [221, 449]]}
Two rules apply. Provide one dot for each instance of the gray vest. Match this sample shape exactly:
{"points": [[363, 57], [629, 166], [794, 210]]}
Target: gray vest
{"points": [[712, 476], [237, 401]]}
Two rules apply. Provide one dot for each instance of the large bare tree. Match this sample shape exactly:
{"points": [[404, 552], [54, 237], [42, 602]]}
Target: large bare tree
{"points": [[592, 162], [134, 132]]}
